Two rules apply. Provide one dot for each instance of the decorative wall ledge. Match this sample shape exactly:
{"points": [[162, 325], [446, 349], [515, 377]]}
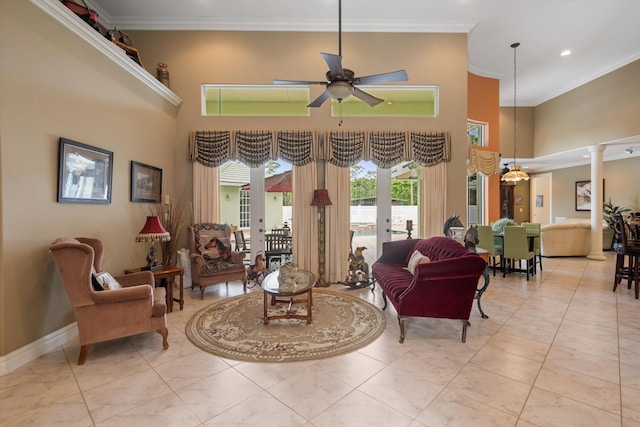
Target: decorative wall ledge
{"points": [[60, 13]]}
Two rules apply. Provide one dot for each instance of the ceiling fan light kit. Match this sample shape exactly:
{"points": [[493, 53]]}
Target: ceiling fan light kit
{"points": [[341, 82], [514, 174]]}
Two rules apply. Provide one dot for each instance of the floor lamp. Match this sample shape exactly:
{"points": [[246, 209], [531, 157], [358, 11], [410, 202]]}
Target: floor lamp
{"points": [[321, 199]]}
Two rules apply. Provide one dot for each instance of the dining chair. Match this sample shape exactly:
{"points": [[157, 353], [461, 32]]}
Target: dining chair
{"points": [[242, 244], [486, 241], [534, 228], [626, 247], [277, 247], [516, 247]]}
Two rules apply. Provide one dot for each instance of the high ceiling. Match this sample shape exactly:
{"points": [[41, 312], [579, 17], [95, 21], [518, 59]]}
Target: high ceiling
{"points": [[603, 35]]}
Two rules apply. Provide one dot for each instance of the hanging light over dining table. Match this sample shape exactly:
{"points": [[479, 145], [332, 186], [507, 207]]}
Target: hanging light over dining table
{"points": [[515, 174]]}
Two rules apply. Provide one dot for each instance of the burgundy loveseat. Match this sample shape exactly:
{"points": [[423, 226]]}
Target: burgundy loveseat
{"points": [[442, 288]]}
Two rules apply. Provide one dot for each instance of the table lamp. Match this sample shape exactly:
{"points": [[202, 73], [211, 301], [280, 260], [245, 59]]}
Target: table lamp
{"points": [[321, 199], [153, 232]]}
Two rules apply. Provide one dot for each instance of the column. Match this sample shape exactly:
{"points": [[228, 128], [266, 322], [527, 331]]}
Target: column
{"points": [[596, 202]]}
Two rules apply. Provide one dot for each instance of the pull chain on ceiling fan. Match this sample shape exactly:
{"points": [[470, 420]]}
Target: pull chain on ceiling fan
{"points": [[340, 82]]}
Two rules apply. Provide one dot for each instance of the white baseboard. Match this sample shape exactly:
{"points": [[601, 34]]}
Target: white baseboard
{"points": [[32, 351]]}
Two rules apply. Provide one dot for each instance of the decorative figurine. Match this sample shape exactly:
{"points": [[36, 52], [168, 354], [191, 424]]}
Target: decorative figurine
{"points": [[162, 74]]}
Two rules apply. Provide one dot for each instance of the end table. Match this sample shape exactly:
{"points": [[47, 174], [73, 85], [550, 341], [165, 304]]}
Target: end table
{"points": [[167, 272]]}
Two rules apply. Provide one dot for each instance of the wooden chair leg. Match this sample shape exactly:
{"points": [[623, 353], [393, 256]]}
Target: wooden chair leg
{"points": [[84, 351], [401, 323], [465, 323], [165, 334]]}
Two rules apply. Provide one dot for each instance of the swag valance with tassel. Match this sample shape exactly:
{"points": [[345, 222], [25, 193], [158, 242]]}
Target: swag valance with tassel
{"points": [[482, 161], [342, 149]]}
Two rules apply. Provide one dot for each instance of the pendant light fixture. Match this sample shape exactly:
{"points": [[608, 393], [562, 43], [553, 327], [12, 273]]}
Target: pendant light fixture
{"points": [[514, 174]]}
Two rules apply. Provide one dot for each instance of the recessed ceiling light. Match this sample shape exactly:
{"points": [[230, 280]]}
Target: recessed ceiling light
{"points": [[565, 52], [586, 155]]}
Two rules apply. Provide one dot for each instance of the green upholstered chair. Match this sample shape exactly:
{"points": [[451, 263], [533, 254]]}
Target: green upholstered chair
{"points": [[535, 227], [516, 247], [486, 241]]}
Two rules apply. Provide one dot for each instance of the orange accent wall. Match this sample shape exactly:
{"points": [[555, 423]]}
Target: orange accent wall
{"points": [[483, 105]]}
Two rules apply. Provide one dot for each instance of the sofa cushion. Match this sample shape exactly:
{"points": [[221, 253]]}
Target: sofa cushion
{"points": [[395, 279], [107, 281], [416, 258]]}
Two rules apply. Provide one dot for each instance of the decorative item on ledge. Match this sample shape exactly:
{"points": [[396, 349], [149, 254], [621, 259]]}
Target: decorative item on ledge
{"points": [[321, 199], [153, 232], [162, 74]]}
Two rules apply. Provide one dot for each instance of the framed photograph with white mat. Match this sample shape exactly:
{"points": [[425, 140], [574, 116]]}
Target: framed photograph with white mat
{"points": [[84, 173]]}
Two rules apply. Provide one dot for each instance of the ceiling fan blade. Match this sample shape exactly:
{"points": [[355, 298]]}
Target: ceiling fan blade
{"points": [[320, 100], [334, 62], [394, 76], [364, 96], [298, 82]]}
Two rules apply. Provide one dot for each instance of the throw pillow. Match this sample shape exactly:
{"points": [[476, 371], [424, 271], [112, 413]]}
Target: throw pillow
{"points": [[96, 285], [107, 281], [416, 258], [203, 237]]}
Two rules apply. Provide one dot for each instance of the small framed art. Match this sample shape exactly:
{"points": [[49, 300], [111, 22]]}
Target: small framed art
{"points": [[84, 173], [146, 183], [583, 195]]}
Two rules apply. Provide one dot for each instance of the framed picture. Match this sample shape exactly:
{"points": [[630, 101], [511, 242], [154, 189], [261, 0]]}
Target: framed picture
{"points": [[130, 51], [539, 200], [146, 183], [84, 173], [583, 195], [518, 200]]}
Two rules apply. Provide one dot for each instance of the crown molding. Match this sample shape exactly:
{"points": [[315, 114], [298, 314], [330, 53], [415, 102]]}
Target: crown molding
{"points": [[69, 20]]}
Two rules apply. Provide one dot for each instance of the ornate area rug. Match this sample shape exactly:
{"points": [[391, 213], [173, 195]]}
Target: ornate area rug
{"points": [[233, 328]]}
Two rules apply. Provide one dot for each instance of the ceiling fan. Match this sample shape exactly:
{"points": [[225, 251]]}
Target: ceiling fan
{"points": [[341, 82]]}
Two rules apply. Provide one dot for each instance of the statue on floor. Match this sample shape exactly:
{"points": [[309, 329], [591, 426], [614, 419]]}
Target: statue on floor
{"points": [[358, 267]]}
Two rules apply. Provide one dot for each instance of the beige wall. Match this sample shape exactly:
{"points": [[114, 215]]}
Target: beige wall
{"points": [[524, 132], [620, 184], [604, 110], [196, 57], [54, 84]]}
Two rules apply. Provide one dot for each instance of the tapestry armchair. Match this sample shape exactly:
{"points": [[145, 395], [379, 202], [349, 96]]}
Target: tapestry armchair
{"points": [[103, 315], [212, 260]]}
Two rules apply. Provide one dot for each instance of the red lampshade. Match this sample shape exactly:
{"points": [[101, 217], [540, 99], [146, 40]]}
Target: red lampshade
{"points": [[321, 198], [153, 231]]}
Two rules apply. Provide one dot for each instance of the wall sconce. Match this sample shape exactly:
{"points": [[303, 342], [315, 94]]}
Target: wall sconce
{"points": [[227, 198]]}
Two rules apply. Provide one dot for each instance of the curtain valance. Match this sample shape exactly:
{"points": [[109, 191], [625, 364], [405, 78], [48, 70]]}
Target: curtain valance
{"points": [[484, 162], [340, 148]]}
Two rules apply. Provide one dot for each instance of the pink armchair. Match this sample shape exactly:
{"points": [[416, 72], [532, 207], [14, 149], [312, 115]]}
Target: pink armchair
{"points": [[445, 287], [104, 315]]}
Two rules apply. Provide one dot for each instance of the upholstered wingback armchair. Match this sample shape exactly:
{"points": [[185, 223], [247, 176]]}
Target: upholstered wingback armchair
{"points": [[212, 260], [107, 314]]}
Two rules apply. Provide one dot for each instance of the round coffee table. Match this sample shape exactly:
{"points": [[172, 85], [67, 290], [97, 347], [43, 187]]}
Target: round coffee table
{"points": [[272, 289]]}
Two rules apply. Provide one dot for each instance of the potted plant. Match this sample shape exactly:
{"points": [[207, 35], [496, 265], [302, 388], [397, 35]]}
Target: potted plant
{"points": [[498, 226], [609, 212]]}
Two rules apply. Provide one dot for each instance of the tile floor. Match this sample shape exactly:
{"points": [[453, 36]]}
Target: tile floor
{"points": [[559, 350]]}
